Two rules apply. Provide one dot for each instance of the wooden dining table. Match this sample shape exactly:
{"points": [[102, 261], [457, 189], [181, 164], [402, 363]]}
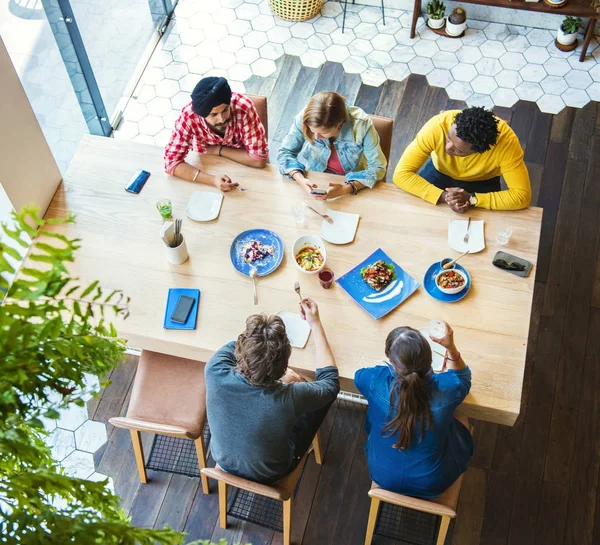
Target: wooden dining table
{"points": [[122, 248]]}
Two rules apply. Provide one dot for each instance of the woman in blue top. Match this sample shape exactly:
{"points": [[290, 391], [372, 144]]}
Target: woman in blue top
{"points": [[415, 445], [328, 136]]}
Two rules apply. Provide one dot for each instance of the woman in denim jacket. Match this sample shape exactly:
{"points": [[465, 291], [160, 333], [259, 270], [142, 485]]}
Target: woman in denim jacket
{"points": [[415, 445], [328, 136]]}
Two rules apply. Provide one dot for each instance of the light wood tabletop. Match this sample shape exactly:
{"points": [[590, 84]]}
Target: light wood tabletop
{"points": [[122, 248]]}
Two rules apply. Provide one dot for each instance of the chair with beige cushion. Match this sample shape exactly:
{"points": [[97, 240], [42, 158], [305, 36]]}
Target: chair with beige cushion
{"points": [[282, 490], [384, 127], [444, 505], [168, 398], [260, 103]]}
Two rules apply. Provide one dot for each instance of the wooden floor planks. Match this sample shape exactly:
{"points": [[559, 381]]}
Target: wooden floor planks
{"points": [[536, 483]]}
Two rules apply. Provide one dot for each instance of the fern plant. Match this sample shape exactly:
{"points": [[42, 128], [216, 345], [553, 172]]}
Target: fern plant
{"points": [[53, 330]]}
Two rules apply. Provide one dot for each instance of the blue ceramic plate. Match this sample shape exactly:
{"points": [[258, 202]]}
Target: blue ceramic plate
{"points": [[378, 303], [265, 266], [432, 289]]}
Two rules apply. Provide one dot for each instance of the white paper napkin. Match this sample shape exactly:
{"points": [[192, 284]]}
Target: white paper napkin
{"points": [[296, 328], [456, 234], [343, 228]]}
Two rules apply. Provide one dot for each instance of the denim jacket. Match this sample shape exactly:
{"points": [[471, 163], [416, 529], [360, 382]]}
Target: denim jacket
{"points": [[357, 146]]}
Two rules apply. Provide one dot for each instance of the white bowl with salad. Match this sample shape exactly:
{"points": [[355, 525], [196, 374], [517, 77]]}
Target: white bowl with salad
{"points": [[309, 254]]}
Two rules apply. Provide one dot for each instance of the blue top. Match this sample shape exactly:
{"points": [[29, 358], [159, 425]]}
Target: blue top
{"points": [[357, 146], [428, 468]]}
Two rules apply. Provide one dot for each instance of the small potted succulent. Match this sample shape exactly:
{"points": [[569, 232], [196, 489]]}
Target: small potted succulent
{"points": [[436, 10], [457, 22], [567, 32]]}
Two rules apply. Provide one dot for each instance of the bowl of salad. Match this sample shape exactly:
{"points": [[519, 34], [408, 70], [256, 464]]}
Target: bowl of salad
{"points": [[309, 254]]}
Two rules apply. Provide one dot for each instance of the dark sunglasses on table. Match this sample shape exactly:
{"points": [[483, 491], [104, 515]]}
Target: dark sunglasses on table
{"points": [[508, 266]]}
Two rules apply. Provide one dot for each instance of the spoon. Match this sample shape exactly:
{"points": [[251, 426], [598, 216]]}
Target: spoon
{"points": [[450, 264], [253, 275]]}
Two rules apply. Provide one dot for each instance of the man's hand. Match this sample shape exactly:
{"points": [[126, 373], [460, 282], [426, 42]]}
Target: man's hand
{"points": [[223, 183], [338, 190], [212, 150], [457, 199], [310, 312]]}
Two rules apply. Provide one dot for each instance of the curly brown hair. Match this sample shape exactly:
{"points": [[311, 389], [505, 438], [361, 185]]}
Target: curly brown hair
{"points": [[263, 350]]}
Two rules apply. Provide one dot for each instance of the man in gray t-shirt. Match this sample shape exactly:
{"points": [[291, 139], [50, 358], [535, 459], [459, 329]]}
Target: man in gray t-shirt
{"points": [[263, 419]]}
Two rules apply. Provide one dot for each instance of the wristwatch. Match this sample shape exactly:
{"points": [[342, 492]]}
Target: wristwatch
{"points": [[473, 199]]}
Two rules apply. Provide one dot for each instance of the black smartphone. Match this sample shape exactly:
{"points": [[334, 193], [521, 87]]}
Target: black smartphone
{"points": [[318, 191], [182, 309], [137, 181]]}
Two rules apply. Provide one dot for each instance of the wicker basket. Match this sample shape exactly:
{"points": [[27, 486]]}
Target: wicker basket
{"points": [[296, 10]]}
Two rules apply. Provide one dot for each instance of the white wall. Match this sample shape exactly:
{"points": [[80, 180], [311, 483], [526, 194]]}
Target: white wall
{"points": [[28, 172]]}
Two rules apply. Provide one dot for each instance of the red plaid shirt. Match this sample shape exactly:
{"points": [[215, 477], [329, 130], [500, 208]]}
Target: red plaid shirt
{"points": [[192, 132]]}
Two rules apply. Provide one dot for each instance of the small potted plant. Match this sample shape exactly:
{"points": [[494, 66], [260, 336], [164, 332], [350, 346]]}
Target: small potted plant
{"points": [[457, 22], [567, 32], [436, 10]]}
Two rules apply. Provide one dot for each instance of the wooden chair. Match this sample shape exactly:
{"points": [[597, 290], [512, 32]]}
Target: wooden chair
{"points": [[260, 103], [282, 490], [384, 127], [168, 398], [443, 506]]}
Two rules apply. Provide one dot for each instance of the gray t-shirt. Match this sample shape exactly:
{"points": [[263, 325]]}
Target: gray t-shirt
{"points": [[251, 425]]}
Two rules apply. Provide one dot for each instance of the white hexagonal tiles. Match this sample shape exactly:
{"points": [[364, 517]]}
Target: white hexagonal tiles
{"points": [[491, 64], [73, 438]]}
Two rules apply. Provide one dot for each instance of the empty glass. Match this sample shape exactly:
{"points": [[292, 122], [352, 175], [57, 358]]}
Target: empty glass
{"points": [[299, 213], [503, 233], [437, 329]]}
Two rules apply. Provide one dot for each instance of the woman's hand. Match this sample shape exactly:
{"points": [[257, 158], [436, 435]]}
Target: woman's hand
{"points": [[338, 190], [447, 341]]}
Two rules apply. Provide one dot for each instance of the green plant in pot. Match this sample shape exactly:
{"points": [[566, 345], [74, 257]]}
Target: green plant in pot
{"points": [[436, 11], [567, 32], [457, 22], [54, 331]]}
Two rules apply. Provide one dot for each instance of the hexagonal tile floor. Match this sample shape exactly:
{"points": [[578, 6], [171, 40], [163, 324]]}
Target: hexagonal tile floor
{"points": [[492, 64], [74, 439]]}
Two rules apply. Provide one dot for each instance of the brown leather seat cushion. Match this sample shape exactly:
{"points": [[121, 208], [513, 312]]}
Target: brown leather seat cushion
{"points": [[169, 390], [445, 504], [281, 490]]}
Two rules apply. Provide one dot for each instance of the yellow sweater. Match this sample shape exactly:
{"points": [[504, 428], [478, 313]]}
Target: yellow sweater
{"points": [[505, 158]]}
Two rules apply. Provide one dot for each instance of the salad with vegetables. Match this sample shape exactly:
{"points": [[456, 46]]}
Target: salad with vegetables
{"points": [[378, 275], [309, 258]]}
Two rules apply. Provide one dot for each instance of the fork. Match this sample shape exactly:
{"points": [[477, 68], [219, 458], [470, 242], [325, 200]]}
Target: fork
{"points": [[327, 218], [242, 189], [466, 237], [297, 289], [178, 223]]}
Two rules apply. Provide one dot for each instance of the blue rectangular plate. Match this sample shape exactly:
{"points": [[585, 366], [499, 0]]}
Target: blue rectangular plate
{"points": [[172, 298], [390, 297]]}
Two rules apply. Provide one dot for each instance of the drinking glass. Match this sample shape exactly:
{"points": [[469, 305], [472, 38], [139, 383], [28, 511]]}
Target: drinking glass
{"points": [[326, 278], [165, 208], [437, 329], [503, 233], [299, 213]]}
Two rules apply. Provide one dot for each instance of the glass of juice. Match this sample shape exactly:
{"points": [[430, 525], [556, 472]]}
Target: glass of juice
{"points": [[326, 278], [165, 208]]}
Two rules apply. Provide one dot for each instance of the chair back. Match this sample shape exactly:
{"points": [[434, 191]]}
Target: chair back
{"points": [[260, 103], [384, 127]]}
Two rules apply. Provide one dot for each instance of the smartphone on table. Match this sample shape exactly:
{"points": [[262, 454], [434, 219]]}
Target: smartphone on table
{"points": [[137, 181], [182, 309]]}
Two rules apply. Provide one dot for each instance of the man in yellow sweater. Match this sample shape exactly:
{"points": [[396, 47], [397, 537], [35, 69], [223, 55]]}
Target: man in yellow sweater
{"points": [[468, 150]]}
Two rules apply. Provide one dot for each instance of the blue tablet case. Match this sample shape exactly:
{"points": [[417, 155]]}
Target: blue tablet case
{"points": [[172, 298]]}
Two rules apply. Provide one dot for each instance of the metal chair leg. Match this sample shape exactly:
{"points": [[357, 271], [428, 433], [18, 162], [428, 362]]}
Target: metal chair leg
{"points": [[383, 12]]}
